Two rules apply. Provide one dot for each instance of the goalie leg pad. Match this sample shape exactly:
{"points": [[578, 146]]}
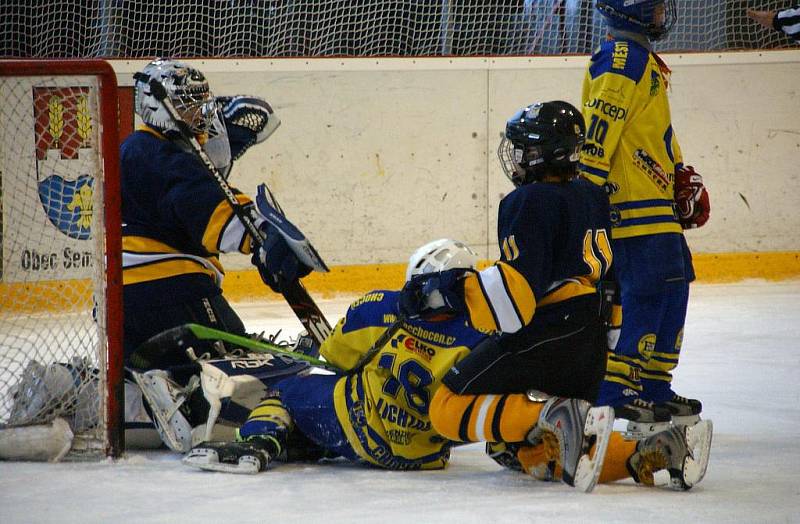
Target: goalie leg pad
{"points": [[43, 442], [233, 387], [67, 390]]}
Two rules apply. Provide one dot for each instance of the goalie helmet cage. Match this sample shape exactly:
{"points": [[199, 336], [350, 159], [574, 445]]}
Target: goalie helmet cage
{"points": [[60, 269]]}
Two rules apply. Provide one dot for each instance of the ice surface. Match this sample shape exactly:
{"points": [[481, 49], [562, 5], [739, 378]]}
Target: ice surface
{"points": [[741, 357]]}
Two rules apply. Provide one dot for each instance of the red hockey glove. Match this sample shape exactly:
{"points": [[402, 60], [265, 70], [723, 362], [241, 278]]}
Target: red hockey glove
{"points": [[692, 198]]}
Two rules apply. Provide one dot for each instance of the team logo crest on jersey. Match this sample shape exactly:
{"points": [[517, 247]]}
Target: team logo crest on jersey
{"points": [[62, 128], [655, 82], [615, 215], [646, 346]]}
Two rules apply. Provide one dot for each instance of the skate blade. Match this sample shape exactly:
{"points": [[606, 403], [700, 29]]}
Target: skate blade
{"points": [[208, 460], [174, 429], [686, 420], [643, 430], [698, 437], [599, 422]]}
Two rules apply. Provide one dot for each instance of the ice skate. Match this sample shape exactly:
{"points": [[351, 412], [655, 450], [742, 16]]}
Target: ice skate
{"points": [[676, 458], [246, 458], [165, 398], [684, 411], [577, 427], [644, 418]]}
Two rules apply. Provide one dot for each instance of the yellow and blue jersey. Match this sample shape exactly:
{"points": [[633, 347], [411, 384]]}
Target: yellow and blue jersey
{"points": [[384, 409], [630, 143], [555, 245], [176, 221]]}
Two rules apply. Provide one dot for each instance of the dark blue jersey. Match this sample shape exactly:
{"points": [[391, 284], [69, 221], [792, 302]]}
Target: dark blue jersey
{"points": [[176, 220], [555, 232], [554, 240]]}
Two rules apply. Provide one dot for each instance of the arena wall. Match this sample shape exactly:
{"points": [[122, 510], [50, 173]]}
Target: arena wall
{"points": [[376, 156]]}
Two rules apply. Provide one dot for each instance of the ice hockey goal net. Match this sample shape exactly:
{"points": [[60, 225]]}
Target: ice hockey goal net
{"points": [[60, 280]]}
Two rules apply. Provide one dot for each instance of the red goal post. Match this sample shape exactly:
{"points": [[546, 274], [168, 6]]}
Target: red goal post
{"points": [[60, 269]]}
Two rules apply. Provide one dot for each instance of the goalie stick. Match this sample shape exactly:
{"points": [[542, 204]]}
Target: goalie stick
{"points": [[295, 294], [183, 335], [159, 347]]}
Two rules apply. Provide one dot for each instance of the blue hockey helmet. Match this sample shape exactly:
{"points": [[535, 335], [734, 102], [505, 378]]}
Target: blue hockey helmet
{"points": [[542, 139], [652, 18]]}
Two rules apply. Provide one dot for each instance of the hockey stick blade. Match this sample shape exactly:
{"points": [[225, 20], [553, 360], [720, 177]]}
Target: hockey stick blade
{"points": [[296, 240], [256, 346]]}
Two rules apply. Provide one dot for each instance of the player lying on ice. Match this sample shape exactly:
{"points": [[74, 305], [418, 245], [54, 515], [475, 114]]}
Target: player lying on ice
{"points": [[394, 413], [380, 415]]}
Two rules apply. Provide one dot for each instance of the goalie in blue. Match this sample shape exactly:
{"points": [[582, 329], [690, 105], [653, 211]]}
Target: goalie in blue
{"points": [[176, 220]]}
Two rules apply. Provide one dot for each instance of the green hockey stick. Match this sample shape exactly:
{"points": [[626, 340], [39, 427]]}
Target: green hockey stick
{"points": [[199, 332]]}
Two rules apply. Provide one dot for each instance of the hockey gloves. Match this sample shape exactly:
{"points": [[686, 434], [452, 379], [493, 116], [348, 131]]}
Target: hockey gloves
{"points": [[277, 264], [250, 112], [691, 198], [434, 294]]}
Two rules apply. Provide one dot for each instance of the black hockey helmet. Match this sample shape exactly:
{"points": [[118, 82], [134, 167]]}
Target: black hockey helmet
{"points": [[542, 139]]}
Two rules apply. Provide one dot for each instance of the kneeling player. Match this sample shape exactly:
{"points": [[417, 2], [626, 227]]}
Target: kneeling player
{"points": [[553, 230]]}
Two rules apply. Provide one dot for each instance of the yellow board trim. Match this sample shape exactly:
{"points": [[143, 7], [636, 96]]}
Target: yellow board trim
{"points": [[57, 295]]}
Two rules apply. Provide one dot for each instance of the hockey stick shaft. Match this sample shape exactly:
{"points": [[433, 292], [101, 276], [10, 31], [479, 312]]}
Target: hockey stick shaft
{"points": [[376, 347], [296, 295], [255, 346]]}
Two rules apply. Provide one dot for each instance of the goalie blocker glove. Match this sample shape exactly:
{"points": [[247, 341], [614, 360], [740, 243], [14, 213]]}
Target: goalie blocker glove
{"points": [[691, 198], [276, 262]]}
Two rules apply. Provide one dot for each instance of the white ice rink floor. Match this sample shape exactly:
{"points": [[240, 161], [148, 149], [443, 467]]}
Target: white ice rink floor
{"points": [[741, 357]]}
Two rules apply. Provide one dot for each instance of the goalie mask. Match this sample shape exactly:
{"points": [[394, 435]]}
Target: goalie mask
{"points": [[652, 18], [441, 255], [187, 89], [541, 140]]}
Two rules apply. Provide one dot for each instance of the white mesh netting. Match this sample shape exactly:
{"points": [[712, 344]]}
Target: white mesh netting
{"points": [[309, 28], [52, 272]]}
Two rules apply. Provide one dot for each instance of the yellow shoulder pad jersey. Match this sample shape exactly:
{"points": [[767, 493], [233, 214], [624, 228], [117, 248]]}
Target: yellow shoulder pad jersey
{"points": [[383, 409], [630, 143]]}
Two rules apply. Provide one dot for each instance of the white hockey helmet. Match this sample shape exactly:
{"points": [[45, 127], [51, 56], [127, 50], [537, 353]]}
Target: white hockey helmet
{"points": [[187, 89], [441, 255]]}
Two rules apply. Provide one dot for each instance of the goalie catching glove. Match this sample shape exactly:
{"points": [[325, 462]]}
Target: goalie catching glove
{"points": [[691, 198], [251, 113]]}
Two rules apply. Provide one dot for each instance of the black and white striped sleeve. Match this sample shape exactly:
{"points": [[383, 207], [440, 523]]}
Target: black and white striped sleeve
{"points": [[788, 21]]}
